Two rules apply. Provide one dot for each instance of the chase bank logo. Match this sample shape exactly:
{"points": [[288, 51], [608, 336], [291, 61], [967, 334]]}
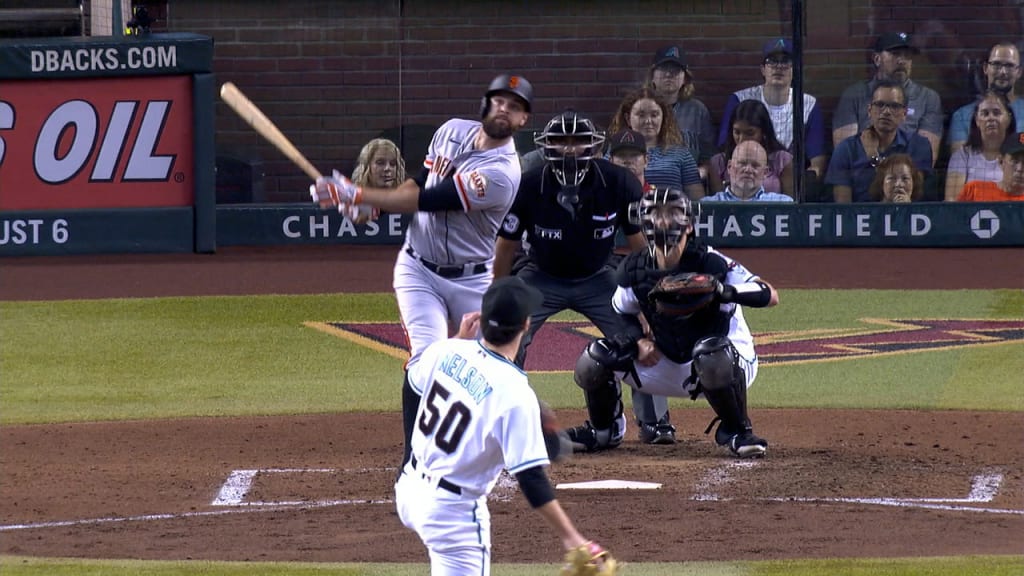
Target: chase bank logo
{"points": [[985, 224]]}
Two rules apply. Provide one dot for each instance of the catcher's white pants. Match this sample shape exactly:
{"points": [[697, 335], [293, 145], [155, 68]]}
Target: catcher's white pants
{"points": [[456, 530], [666, 378]]}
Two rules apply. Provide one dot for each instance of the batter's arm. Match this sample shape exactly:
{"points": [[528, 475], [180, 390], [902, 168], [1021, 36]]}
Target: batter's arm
{"points": [[402, 200], [504, 256]]}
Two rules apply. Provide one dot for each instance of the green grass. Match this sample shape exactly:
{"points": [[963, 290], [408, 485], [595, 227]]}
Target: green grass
{"points": [[961, 566], [218, 356], [225, 356]]}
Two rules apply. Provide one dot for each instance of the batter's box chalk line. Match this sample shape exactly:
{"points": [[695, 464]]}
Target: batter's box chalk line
{"points": [[984, 488], [234, 490]]}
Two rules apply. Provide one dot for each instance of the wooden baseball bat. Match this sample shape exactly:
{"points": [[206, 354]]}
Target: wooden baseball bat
{"points": [[255, 117]]}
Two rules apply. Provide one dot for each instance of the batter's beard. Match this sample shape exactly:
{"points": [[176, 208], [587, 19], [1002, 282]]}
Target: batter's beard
{"points": [[497, 129]]}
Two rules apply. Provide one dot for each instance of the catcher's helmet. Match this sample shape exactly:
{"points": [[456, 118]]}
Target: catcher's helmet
{"points": [[515, 85], [557, 141], [664, 215]]}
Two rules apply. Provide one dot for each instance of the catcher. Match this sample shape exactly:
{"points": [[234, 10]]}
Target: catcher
{"points": [[697, 343]]}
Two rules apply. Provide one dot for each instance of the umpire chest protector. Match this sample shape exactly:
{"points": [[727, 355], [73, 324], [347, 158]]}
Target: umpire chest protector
{"points": [[677, 335], [573, 244]]}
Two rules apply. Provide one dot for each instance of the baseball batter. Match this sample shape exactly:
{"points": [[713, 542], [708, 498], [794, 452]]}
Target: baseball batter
{"points": [[707, 351], [477, 416], [468, 182]]}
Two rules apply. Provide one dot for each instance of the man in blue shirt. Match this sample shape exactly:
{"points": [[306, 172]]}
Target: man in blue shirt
{"points": [[1002, 70], [747, 169], [854, 161]]}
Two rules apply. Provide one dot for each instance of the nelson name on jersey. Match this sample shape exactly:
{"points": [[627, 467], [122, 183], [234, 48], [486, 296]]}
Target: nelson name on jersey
{"points": [[454, 365]]}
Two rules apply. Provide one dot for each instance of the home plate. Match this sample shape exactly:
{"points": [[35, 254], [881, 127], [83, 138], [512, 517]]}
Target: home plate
{"points": [[609, 485]]}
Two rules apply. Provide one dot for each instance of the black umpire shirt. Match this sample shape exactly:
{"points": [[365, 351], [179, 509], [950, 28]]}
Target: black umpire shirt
{"points": [[560, 244]]}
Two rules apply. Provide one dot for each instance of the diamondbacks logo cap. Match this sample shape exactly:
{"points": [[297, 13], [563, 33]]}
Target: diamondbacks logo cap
{"points": [[894, 40], [627, 140], [509, 302], [670, 55], [1013, 144], [777, 46]]}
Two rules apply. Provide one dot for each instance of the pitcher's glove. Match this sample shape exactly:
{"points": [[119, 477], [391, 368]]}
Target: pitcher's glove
{"points": [[589, 559], [685, 293]]}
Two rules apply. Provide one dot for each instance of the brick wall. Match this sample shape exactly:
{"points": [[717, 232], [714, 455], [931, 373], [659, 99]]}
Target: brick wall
{"points": [[334, 74]]}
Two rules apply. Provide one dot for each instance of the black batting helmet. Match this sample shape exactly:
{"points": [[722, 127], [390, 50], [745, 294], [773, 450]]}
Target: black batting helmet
{"points": [[515, 85]]}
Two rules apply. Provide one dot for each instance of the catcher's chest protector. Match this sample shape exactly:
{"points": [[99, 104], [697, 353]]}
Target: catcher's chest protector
{"points": [[674, 335]]}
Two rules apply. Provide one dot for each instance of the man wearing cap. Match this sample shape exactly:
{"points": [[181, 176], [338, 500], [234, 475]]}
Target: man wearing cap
{"points": [[777, 95], [1002, 72], [747, 169], [1011, 188], [853, 163], [893, 60], [478, 416], [570, 210], [672, 80]]}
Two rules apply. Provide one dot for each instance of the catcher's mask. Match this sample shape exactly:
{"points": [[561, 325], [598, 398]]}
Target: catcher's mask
{"points": [[664, 215], [568, 143]]}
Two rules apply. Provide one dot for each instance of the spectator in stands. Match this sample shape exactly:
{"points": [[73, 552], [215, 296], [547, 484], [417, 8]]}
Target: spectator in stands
{"points": [[992, 121], [627, 148], [893, 59], [853, 164], [897, 180], [1012, 185], [777, 95], [748, 167], [751, 121], [669, 163], [380, 165], [1002, 71], [671, 79]]}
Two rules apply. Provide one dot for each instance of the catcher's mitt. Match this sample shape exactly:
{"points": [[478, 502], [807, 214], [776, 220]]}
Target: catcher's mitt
{"points": [[589, 559], [685, 293]]}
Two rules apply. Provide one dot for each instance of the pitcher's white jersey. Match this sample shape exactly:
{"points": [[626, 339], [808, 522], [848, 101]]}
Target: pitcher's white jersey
{"points": [[487, 181], [477, 415]]}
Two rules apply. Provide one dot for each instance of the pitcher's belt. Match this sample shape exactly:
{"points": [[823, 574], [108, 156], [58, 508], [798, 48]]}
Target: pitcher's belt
{"points": [[442, 483]]}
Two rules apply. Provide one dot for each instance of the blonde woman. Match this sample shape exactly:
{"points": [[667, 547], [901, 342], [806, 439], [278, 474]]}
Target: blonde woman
{"points": [[380, 165]]}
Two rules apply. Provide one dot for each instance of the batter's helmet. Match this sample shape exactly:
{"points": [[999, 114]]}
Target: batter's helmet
{"points": [[515, 85], [569, 127]]}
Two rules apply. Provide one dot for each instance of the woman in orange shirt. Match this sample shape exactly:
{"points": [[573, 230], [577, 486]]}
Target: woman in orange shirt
{"points": [[1011, 188]]}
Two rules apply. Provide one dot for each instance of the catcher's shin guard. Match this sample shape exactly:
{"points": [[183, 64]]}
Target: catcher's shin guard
{"points": [[725, 387]]}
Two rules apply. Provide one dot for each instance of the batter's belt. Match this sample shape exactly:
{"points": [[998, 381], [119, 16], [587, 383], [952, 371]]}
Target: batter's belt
{"points": [[442, 483], [451, 271]]}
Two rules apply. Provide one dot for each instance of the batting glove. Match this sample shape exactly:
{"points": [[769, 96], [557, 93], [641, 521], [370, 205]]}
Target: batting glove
{"points": [[335, 191]]}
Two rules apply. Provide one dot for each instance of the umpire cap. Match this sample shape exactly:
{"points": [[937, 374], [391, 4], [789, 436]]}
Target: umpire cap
{"points": [[512, 84]]}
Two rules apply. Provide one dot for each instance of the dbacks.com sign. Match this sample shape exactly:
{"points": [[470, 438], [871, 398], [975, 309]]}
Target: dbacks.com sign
{"points": [[96, 143]]}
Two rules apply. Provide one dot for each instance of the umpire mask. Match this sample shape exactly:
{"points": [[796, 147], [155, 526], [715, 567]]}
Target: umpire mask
{"points": [[568, 143]]}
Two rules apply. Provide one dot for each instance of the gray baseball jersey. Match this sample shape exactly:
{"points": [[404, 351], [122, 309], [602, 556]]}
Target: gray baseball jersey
{"points": [[487, 181]]}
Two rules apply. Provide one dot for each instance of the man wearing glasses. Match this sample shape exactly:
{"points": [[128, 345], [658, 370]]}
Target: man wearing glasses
{"points": [[854, 161], [893, 59], [777, 95], [1002, 70]]}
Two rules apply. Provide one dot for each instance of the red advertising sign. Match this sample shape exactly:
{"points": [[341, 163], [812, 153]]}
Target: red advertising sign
{"points": [[96, 143]]}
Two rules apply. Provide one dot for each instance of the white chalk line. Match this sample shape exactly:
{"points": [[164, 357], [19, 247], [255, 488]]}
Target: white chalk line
{"points": [[984, 488], [243, 509]]}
